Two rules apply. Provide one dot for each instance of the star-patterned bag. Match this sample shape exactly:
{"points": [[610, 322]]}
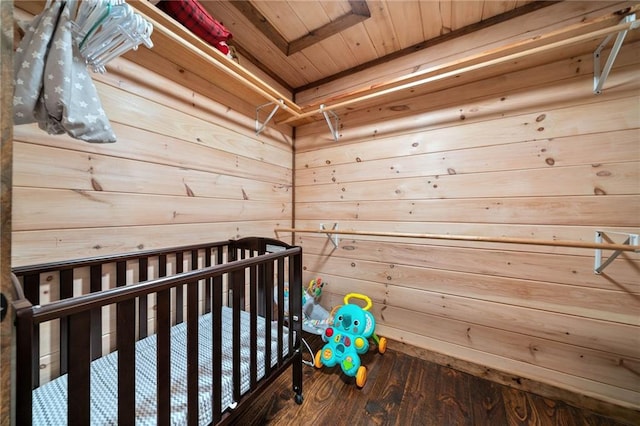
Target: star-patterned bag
{"points": [[52, 84]]}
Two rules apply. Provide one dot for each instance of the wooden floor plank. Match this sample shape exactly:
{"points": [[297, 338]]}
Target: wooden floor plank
{"points": [[420, 401], [488, 404], [387, 391], [403, 390], [452, 393]]}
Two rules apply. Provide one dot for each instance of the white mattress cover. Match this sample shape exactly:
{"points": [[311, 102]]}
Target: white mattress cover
{"points": [[50, 399]]}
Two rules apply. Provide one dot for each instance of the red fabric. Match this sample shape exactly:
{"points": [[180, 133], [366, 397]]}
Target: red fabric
{"points": [[192, 15]]}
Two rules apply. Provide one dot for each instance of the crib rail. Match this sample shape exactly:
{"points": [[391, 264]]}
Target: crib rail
{"points": [[30, 276], [251, 272]]}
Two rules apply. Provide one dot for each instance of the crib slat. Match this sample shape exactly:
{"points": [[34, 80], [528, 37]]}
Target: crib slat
{"points": [[237, 278], [216, 339], [78, 394], [143, 275], [25, 346], [163, 322], [268, 316], [208, 281], [163, 360], [31, 285], [258, 296], [179, 289], [163, 356], [126, 335], [192, 353], [95, 285], [295, 319], [253, 311], [280, 313], [66, 292], [121, 273], [280, 285], [192, 345]]}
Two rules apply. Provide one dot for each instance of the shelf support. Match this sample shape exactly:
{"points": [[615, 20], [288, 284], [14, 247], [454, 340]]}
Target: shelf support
{"points": [[632, 240], [333, 128], [332, 237], [261, 126], [600, 74]]}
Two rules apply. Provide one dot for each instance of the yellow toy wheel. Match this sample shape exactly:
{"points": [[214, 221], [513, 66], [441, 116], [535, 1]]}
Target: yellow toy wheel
{"points": [[361, 376], [382, 345], [317, 361]]}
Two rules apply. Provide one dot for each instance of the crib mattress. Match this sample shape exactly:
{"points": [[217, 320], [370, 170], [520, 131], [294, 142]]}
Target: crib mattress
{"points": [[50, 399]]}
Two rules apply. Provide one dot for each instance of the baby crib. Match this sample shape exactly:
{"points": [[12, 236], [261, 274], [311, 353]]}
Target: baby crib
{"points": [[186, 335]]}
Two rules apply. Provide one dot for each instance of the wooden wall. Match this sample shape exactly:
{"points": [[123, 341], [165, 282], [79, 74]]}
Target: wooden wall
{"points": [[529, 154], [532, 154], [6, 146], [185, 169]]}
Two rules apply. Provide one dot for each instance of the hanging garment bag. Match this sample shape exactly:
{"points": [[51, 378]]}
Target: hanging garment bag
{"points": [[52, 84]]}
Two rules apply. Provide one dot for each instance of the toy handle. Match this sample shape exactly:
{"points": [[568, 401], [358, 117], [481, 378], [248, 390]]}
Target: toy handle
{"points": [[359, 296]]}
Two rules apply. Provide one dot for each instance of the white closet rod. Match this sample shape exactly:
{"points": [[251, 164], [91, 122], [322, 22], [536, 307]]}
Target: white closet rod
{"points": [[506, 240], [467, 65], [179, 37]]}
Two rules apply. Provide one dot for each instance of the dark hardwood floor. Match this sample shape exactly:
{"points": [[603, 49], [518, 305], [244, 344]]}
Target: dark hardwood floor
{"points": [[403, 390]]}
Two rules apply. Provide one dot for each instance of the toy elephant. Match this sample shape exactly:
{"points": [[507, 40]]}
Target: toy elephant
{"points": [[348, 338]]}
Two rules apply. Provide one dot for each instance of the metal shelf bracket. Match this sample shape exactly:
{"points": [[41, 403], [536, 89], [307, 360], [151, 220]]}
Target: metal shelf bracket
{"points": [[632, 240], [333, 127], [600, 74], [332, 237], [261, 126]]}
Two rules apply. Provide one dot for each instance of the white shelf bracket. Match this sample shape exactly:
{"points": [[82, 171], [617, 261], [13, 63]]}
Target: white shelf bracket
{"points": [[261, 126], [332, 237], [632, 240], [600, 74], [333, 127]]}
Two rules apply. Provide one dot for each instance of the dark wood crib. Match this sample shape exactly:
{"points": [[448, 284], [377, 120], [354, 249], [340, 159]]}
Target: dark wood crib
{"points": [[186, 335]]}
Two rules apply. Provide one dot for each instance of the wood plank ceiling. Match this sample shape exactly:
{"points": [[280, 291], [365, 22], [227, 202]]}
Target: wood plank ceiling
{"points": [[303, 43]]}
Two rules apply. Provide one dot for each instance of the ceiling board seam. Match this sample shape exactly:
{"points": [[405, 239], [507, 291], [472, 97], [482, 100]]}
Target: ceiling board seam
{"points": [[359, 12], [332, 28], [530, 7], [261, 23]]}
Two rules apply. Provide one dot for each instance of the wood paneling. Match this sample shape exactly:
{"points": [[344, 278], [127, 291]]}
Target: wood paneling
{"points": [[537, 232], [610, 304], [49, 291], [6, 167], [99, 172], [533, 154], [61, 244], [616, 210], [342, 36], [185, 171], [601, 179], [38, 209], [518, 125], [527, 27], [403, 388], [337, 165]]}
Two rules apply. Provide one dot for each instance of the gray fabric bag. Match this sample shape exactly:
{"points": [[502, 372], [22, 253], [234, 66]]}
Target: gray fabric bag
{"points": [[52, 84]]}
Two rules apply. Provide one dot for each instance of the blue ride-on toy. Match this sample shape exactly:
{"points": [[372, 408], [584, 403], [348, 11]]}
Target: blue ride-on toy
{"points": [[347, 338]]}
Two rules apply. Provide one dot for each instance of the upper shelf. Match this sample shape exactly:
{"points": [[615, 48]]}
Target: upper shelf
{"points": [[567, 42], [176, 44]]}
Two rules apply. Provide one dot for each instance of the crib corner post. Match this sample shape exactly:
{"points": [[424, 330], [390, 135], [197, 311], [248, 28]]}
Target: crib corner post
{"points": [[295, 298], [24, 368], [297, 376]]}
